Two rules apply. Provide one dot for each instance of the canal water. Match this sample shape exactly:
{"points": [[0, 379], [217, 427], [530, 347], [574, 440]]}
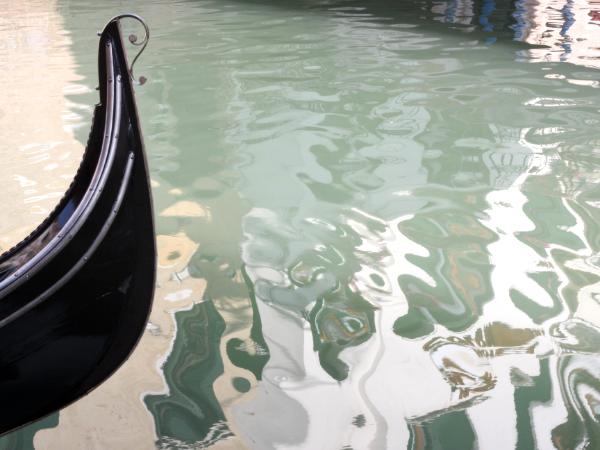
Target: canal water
{"points": [[377, 222]]}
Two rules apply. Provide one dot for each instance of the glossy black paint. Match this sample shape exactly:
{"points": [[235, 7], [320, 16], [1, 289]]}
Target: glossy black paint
{"points": [[75, 294]]}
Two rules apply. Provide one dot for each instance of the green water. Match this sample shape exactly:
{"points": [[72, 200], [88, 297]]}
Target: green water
{"points": [[403, 245]]}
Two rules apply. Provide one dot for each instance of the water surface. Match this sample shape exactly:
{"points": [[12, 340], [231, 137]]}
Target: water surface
{"points": [[378, 227]]}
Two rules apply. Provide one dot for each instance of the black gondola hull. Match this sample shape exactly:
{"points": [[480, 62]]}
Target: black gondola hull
{"points": [[76, 294]]}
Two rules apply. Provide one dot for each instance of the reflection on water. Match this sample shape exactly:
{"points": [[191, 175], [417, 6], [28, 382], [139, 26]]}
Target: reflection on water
{"points": [[558, 30], [37, 118], [396, 216]]}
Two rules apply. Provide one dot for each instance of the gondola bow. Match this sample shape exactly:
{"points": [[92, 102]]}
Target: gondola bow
{"points": [[75, 294]]}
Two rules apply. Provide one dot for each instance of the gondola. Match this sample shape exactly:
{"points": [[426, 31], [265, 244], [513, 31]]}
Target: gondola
{"points": [[76, 293]]}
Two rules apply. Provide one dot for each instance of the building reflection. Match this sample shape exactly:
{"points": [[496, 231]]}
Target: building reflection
{"points": [[567, 30], [560, 30]]}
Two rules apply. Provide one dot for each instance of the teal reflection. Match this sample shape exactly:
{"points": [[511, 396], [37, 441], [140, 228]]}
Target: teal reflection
{"points": [[23, 438], [190, 413]]}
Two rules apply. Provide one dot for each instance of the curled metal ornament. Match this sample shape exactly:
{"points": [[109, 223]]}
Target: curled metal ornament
{"points": [[134, 40]]}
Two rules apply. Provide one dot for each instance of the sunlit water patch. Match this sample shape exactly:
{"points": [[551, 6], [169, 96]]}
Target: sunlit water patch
{"points": [[38, 116]]}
